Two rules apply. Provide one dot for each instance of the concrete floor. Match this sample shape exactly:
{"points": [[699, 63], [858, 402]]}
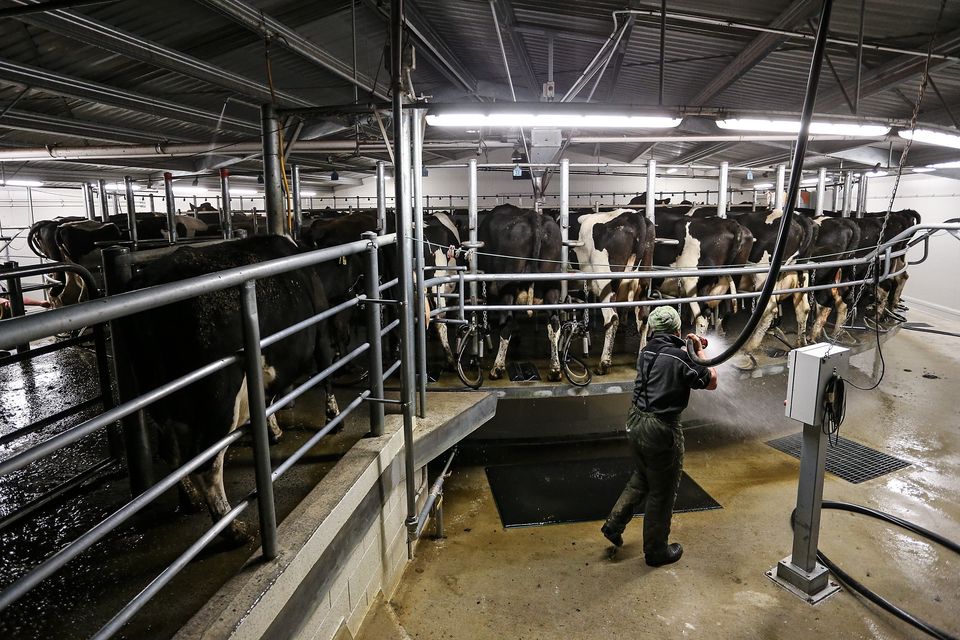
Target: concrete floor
{"points": [[484, 581]]}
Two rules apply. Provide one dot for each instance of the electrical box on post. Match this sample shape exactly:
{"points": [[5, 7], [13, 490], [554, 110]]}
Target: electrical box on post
{"points": [[810, 368]]}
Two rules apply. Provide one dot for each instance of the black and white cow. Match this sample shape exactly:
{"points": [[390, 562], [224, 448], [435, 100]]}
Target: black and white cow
{"points": [[616, 241], [71, 240], [836, 239], [521, 241], [442, 252], [209, 327]]}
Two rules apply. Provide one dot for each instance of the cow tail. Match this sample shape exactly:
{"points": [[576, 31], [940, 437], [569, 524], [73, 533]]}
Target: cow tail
{"points": [[537, 227]]}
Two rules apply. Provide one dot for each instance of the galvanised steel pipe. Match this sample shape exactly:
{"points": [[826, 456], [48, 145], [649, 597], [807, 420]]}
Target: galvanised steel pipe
{"points": [[171, 207], [722, 190], [862, 191], [473, 239], [87, 201], [371, 283], [652, 190], [297, 204], [131, 209], [417, 125], [781, 179], [381, 197], [272, 178], [564, 224], [226, 219], [104, 206], [847, 193], [317, 378], [821, 190]]}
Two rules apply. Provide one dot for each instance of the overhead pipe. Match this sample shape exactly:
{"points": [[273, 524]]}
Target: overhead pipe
{"points": [[776, 260]]}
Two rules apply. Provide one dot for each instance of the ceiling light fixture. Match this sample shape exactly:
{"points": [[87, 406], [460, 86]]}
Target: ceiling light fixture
{"points": [[793, 126], [763, 185], [22, 183], [923, 169], [672, 170], [931, 136], [565, 120], [953, 164], [875, 174], [307, 194]]}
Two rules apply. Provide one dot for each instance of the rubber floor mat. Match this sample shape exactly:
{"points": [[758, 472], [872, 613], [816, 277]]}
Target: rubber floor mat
{"points": [[573, 491]]}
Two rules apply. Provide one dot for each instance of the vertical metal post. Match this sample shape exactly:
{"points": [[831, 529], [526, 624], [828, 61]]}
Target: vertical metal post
{"points": [[297, 206], [136, 436], [722, 189], [835, 205], [416, 125], [87, 201], [371, 281], [847, 193], [104, 206], [152, 206], [272, 180], [472, 228], [780, 200], [401, 136], [131, 209], [226, 216], [862, 195], [821, 190], [171, 207], [114, 434], [116, 203], [381, 197], [31, 218], [15, 295], [652, 190], [564, 224], [263, 470]]}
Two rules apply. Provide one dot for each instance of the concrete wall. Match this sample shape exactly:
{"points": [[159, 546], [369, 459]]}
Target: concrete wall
{"points": [[932, 283]]}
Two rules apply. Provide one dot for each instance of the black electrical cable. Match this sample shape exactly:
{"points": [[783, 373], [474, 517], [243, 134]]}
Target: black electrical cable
{"points": [[800, 149], [873, 597], [876, 326]]}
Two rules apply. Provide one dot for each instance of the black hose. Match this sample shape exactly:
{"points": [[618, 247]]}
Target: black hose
{"points": [[809, 100], [860, 588]]}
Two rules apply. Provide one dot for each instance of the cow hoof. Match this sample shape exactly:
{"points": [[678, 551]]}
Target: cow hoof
{"points": [[496, 374], [554, 375], [603, 368], [275, 436], [236, 534]]}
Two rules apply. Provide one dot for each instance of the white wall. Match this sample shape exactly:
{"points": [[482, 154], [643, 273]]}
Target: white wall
{"points": [[934, 282]]}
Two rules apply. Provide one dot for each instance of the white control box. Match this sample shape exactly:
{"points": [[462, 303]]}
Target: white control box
{"points": [[809, 370]]}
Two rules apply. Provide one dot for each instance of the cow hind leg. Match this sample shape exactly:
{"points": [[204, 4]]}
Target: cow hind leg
{"points": [[610, 334], [500, 362], [444, 336], [801, 308], [210, 484], [819, 321], [275, 431], [642, 313], [553, 335]]}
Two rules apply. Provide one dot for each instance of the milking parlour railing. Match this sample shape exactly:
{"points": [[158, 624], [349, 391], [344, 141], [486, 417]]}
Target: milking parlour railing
{"points": [[96, 312], [883, 257]]}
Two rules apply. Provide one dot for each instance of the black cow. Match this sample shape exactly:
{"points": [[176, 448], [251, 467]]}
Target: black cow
{"points": [[616, 241], [521, 241], [42, 240], [836, 239], [209, 327], [70, 240], [642, 199]]}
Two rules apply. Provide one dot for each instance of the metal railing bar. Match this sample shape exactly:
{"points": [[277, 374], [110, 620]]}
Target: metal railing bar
{"points": [[44, 422], [389, 283], [327, 428], [56, 562], [45, 349], [84, 429], [20, 330], [312, 320], [56, 492], [141, 599], [390, 327], [392, 370], [317, 379]]}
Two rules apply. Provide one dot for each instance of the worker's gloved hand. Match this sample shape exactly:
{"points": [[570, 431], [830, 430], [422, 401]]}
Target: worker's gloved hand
{"points": [[699, 342]]}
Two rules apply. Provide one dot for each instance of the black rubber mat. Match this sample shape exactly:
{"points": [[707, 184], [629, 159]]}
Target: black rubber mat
{"points": [[573, 491], [846, 459]]}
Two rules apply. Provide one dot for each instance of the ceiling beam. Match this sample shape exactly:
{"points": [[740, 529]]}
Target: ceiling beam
{"points": [[85, 29], [619, 56], [758, 49], [640, 150], [566, 34], [430, 45], [891, 73], [508, 25], [264, 25], [72, 87], [83, 129], [702, 151]]}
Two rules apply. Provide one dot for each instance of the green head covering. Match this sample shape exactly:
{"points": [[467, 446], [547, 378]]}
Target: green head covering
{"points": [[664, 319]]}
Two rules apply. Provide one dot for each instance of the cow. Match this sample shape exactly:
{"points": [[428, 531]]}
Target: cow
{"points": [[642, 199], [701, 242], [42, 240], [521, 241], [71, 240], [441, 250], [615, 241], [836, 239], [209, 327]]}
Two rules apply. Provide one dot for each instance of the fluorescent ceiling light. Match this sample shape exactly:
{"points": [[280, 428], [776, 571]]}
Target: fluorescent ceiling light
{"points": [[116, 186], [308, 194], [763, 185], [22, 183], [954, 164], [929, 136], [875, 174], [672, 170], [243, 192], [514, 120], [793, 126], [923, 169]]}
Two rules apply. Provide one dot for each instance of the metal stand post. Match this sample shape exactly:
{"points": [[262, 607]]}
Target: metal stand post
{"points": [[800, 572], [273, 181], [226, 216], [847, 193], [88, 201], [131, 209], [258, 419], [472, 245], [652, 190], [781, 179], [722, 189], [564, 225], [862, 195], [104, 206], [15, 295], [371, 280], [136, 436], [381, 198], [297, 207], [171, 207], [416, 126], [821, 190]]}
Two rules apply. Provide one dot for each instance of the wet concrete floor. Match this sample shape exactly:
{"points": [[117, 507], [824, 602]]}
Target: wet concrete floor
{"points": [[484, 581], [78, 600]]}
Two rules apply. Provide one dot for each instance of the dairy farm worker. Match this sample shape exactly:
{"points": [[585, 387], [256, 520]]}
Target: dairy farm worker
{"points": [[665, 376]]}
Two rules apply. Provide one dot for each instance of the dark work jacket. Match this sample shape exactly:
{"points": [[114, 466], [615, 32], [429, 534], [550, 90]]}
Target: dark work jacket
{"points": [[665, 375]]}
